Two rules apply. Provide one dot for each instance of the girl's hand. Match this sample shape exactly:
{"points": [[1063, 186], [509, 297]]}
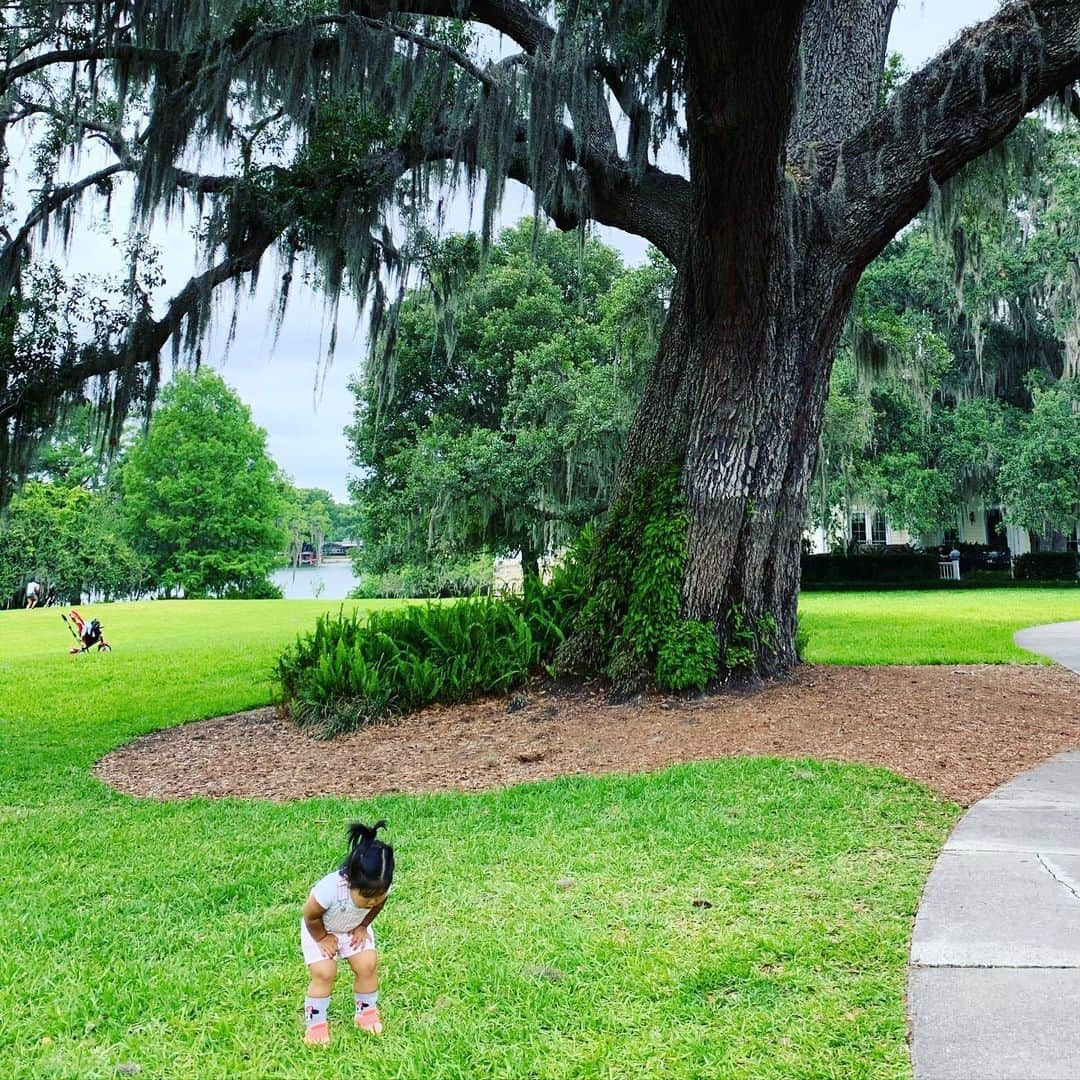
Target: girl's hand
{"points": [[358, 936], [328, 946]]}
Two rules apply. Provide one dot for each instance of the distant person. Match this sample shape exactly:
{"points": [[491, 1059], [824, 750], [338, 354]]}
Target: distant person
{"points": [[337, 922], [954, 554], [33, 594]]}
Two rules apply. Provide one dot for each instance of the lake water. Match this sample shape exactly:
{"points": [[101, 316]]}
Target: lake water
{"points": [[331, 581]]}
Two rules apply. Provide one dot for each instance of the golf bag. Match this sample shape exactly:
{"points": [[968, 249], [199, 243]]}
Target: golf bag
{"points": [[87, 634]]}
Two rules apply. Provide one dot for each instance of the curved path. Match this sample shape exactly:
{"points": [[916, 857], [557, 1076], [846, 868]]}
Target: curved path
{"points": [[1060, 641], [994, 980]]}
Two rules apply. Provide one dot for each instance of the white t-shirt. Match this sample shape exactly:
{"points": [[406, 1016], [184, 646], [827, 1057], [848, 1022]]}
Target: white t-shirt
{"points": [[32, 588], [332, 893]]}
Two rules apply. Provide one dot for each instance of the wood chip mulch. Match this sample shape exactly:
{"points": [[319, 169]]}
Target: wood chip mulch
{"points": [[960, 730]]}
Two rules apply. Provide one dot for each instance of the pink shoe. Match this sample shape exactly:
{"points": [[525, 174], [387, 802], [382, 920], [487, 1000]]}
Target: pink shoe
{"points": [[369, 1020], [318, 1034]]}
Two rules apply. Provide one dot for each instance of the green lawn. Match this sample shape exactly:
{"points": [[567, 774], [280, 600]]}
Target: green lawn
{"points": [[964, 627], [165, 935]]}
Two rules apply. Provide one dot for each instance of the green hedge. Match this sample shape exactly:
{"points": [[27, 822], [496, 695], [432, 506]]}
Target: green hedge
{"points": [[890, 567], [1046, 566]]}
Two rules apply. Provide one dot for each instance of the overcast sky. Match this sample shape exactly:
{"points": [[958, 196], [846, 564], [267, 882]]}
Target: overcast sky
{"points": [[304, 410]]}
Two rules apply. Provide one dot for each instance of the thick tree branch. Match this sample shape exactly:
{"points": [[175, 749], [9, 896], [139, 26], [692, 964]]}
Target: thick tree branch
{"points": [[509, 17], [147, 338], [656, 207], [12, 75], [956, 108], [842, 56]]}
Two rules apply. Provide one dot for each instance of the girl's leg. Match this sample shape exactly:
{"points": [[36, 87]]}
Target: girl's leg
{"points": [[317, 1002], [366, 990]]}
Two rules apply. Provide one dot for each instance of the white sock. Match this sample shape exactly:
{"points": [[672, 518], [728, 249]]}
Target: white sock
{"points": [[316, 1010], [366, 1001]]}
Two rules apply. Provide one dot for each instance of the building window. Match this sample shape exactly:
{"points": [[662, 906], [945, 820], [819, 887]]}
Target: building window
{"points": [[878, 535], [858, 528]]}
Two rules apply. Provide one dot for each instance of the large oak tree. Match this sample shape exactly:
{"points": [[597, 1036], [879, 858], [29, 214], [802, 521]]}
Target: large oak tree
{"points": [[798, 177]]}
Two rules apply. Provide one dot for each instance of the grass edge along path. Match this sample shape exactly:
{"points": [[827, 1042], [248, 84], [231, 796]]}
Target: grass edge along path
{"points": [[547, 930], [963, 627]]}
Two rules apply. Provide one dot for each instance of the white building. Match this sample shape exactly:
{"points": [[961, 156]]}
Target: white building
{"points": [[508, 576], [976, 523]]}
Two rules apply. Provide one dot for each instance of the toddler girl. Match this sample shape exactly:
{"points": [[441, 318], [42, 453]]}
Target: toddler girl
{"points": [[337, 922]]}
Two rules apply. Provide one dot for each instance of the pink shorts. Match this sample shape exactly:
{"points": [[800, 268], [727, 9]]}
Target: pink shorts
{"points": [[345, 948]]}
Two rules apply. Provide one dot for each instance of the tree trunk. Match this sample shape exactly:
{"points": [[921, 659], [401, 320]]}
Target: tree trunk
{"points": [[749, 463], [530, 557], [738, 389], [744, 423]]}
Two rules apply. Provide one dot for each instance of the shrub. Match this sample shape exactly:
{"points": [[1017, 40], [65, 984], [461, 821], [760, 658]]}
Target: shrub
{"points": [[462, 577], [349, 672], [869, 568], [1047, 566], [688, 657], [259, 589]]}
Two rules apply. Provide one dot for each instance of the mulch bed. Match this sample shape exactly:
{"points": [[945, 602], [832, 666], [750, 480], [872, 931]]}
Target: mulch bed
{"points": [[960, 730]]}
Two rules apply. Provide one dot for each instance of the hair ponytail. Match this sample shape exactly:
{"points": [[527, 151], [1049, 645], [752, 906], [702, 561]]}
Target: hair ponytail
{"points": [[369, 866], [360, 835]]}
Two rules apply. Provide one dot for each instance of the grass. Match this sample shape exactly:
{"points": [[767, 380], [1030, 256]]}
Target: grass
{"points": [[164, 935], [964, 627]]}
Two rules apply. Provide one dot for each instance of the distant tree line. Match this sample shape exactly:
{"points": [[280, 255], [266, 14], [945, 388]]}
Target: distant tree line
{"points": [[193, 507]]}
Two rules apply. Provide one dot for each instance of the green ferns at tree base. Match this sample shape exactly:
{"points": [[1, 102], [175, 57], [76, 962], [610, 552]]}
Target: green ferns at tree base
{"points": [[612, 608], [688, 659], [350, 671]]}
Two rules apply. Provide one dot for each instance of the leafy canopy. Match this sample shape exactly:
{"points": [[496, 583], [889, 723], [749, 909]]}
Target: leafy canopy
{"points": [[960, 357]]}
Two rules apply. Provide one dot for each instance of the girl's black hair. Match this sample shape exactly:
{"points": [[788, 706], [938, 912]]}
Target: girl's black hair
{"points": [[369, 866]]}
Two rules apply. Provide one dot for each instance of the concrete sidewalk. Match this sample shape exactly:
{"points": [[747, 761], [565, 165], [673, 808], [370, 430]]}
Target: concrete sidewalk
{"points": [[994, 980], [1060, 641]]}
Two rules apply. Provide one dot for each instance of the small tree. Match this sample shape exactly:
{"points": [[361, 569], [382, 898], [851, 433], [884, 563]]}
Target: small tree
{"points": [[495, 419], [199, 496]]}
